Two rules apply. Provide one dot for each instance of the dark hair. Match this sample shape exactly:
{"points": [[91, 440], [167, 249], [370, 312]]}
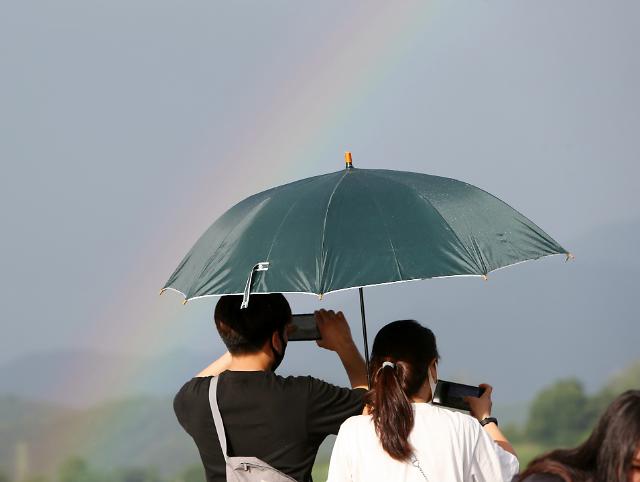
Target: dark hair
{"points": [[246, 330], [608, 452], [411, 347]]}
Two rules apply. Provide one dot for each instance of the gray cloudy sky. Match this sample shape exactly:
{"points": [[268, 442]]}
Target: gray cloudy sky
{"points": [[126, 128]]}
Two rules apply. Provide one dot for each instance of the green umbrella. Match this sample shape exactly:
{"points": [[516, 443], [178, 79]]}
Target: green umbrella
{"points": [[355, 228]]}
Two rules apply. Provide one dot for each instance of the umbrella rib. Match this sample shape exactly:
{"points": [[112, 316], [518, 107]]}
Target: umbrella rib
{"points": [[393, 248], [275, 236], [324, 229]]}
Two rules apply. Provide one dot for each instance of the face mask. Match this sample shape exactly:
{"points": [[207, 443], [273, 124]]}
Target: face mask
{"points": [[278, 356], [432, 380]]}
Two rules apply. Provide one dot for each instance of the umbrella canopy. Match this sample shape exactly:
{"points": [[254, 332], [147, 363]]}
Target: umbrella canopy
{"points": [[355, 228]]}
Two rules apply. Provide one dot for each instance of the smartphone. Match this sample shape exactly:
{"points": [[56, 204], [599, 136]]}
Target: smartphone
{"points": [[304, 328], [451, 394]]}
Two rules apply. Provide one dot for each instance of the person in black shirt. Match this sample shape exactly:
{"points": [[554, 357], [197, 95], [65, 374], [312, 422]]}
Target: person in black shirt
{"points": [[280, 420]]}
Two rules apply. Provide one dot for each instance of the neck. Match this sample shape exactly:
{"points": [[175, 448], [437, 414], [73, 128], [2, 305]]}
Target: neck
{"points": [[251, 362], [423, 395]]}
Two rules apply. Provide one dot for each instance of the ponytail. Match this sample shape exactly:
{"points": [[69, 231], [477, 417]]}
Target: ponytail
{"points": [[392, 411]]}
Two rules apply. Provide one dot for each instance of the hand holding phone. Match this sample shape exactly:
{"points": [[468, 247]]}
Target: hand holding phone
{"points": [[303, 328], [334, 331], [481, 407], [456, 395]]}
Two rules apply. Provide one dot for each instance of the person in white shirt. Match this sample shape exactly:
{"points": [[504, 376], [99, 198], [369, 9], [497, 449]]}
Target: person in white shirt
{"points": [[404, 438]]}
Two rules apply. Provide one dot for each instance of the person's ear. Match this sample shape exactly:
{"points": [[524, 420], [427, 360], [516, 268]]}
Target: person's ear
{"points": [[276, 342]]}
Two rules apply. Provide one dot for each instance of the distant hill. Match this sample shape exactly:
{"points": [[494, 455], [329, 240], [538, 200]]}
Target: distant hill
{"points": [[81, 378], [18, 411], [141, 432]]}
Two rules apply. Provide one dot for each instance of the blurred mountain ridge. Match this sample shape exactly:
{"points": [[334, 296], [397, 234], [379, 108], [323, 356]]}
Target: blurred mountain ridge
{"points": [[82, 378], [137, 432]]}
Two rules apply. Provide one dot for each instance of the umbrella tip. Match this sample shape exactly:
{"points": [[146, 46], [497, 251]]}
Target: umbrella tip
{"points": [[161, 291], [185, 301], [485, 277], [569, 257], [348, 160]]}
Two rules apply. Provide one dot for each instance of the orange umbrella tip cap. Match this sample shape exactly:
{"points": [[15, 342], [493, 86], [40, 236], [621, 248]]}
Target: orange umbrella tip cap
{"points": [[348, 159]]}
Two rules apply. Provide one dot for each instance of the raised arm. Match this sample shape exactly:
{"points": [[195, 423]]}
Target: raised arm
{"points": [[336, 336], [217, 367], [481, 409]]}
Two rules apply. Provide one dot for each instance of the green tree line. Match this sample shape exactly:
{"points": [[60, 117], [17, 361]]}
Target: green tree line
{"points": [[76, 469], [563, 414]]}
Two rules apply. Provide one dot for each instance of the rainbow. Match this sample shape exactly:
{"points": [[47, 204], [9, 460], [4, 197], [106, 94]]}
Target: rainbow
{"points": [[350, 72], [300, 130]]}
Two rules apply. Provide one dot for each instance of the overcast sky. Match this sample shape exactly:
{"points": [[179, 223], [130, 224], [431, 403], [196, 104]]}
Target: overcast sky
{"points": [[126, 128]]}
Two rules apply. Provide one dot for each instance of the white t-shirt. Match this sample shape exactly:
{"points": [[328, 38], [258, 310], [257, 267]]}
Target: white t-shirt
{"points": [[450, 447]]}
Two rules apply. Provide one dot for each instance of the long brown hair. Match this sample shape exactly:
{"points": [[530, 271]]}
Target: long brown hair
{"points": [[606, 456], [411, 348]]}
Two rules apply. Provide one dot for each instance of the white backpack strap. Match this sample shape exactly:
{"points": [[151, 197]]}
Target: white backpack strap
{"points": [[217, 418]]}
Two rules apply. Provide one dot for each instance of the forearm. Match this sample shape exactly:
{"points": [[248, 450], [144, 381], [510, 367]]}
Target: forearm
{"points": [[481, 409], [217, 367], [496, 434], [354, 365]]}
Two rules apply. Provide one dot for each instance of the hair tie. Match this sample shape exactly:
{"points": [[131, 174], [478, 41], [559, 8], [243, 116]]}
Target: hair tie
{"points": [[386, 364]]}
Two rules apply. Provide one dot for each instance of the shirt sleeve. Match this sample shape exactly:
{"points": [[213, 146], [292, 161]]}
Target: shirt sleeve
{"points": [[509, 463], [340, 464], [491, 462], [189, 397], [179, 406], [328, 406]]}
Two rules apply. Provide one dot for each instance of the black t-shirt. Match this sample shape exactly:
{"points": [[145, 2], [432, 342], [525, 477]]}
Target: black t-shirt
{"points": [[282, 421]]}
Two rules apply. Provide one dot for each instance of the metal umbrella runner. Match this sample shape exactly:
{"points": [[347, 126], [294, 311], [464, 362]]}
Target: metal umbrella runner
{"points": [[356, 228]]}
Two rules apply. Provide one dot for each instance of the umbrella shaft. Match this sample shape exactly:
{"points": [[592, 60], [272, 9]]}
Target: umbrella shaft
{"points": [[364, 336]]}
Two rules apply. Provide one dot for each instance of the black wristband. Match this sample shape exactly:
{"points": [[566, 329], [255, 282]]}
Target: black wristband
{"points": [[487, 420]]}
